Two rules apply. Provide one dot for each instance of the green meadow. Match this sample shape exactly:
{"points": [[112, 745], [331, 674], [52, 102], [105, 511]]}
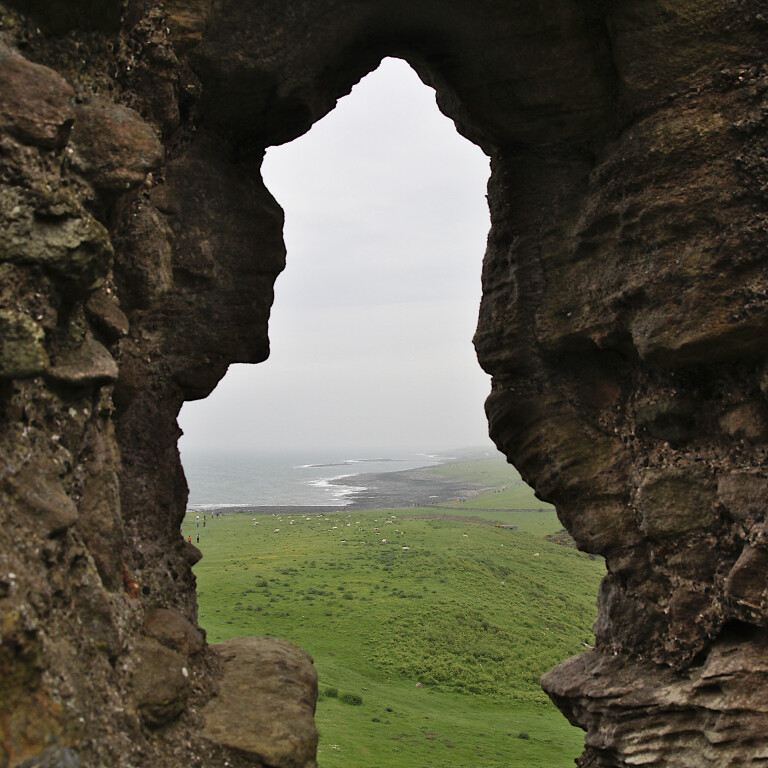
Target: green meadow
{"points": [[429, 635]]}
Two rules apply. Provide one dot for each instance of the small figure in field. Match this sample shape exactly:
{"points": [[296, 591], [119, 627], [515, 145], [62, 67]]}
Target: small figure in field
{"points": [[203, 523], [198, 538], [189, 539]]}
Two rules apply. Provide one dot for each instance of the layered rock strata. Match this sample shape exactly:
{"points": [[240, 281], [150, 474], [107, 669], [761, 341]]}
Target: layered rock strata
{"points": [[623, 321]]}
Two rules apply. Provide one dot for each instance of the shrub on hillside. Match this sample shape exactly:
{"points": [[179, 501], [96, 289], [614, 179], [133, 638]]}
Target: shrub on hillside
{"points": [[352, 698]]}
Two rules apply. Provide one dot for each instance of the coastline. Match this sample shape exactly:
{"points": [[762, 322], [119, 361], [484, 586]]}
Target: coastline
{"points": [[401, 489], [225, 481], [409, 488]]}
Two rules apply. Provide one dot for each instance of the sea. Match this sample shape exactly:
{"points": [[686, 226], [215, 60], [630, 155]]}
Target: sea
{"points": [[227, 479]]}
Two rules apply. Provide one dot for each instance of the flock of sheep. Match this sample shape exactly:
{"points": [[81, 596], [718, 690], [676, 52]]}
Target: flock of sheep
{"points": [[321, 518]]}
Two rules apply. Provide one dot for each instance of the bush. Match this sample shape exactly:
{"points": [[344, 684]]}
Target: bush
{"points": [[331, 693], [523, 735], [352, 698]]}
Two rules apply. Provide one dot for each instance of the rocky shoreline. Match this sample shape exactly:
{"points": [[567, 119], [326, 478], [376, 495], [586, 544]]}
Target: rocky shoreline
{"points": [[420, 487], [408, 488]]}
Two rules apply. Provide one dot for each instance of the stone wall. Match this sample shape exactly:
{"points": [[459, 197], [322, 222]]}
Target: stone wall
{"points": [[623, 321]]}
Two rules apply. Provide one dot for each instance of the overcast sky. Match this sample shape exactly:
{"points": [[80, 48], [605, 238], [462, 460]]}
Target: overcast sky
{"points": [[371, 330]]}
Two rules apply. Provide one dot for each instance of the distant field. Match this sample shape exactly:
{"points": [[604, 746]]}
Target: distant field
{"points": [[471, 613], [507, 489], [494, 472]]}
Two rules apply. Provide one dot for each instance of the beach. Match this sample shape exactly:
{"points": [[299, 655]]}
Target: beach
{"points": [[408, 488], [225, 482], [420, 487]]}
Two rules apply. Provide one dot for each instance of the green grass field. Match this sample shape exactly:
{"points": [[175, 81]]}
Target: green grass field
{"points": [[442, 628], [507, 491]]}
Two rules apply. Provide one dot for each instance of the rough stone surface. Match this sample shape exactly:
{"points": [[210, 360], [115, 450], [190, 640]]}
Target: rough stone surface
{"points": [[22, 352], [39, 493], [103, 310], [54, 757], [265, 705], [36, 104], [113, 147], [159, 684], [623, 320], [88, 363], [173, 630], [704, 714]]}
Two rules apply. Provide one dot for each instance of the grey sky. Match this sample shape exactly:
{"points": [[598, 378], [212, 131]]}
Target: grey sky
{"points": [[386, 222]]}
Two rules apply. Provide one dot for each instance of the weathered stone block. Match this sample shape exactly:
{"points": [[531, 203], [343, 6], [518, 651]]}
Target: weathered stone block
{"points": [[159, 684], [635, 711], [746, 583], [673, 503], [173, 630], [36, 103], [113, 147], [22, 348], [53, 231], [603, 525], [743, 494], [266, 702], [748, 421], [39, 492], [88, 363], [105, 312]]}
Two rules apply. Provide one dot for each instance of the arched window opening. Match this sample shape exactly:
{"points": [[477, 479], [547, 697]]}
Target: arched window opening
{"points": [[430, 618]]}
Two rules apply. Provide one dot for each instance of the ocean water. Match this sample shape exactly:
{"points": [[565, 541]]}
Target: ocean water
{"points": [[218, 480]]}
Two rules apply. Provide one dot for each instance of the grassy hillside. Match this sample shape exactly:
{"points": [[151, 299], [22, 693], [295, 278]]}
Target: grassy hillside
{"points": [[506, 488], [442, 630]]}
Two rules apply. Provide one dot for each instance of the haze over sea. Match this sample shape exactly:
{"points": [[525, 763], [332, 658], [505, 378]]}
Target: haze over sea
{"points": [[226, 479]]}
